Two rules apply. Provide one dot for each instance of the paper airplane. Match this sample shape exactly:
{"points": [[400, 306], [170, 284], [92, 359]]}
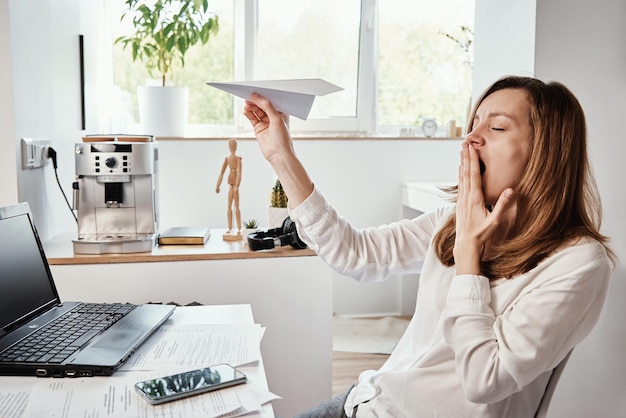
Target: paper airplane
{"points": [[293, 97]]}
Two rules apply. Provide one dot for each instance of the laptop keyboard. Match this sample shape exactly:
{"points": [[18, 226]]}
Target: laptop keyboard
{"points": [[58, 340]]}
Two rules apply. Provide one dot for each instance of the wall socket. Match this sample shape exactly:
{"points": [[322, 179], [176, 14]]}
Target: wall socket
{"points": [[35, 152]]}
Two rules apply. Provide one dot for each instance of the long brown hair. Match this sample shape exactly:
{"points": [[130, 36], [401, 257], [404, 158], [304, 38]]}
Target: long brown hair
{"points": [[557, 197]]}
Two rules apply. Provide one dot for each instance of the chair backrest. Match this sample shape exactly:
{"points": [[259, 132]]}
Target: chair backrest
{"points": [[542, 411]]}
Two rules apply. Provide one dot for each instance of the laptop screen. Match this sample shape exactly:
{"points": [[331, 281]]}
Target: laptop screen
{"points": [[26, 283]]}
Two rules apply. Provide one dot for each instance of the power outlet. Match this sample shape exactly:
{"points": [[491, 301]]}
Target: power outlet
{"points": [[35, 152]]}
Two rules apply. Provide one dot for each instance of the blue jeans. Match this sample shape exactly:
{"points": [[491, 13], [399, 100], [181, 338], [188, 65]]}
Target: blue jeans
{"points": [[330, 409]]}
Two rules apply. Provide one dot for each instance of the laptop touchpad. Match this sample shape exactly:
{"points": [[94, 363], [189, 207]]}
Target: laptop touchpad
{"points": [[116, 339]]}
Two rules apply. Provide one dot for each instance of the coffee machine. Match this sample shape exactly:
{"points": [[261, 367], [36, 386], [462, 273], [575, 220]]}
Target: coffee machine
{"points": [[115, 194]]}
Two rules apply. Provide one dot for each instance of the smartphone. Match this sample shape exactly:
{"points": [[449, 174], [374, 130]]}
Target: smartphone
{"points": [[177, 386]]}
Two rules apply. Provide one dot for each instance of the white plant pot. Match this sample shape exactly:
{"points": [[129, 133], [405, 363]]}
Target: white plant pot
{"points": [[276, 216], [163, 111], [247, 231]]}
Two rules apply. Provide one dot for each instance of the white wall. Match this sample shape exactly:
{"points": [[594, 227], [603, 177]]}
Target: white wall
{"points": [[8, 169], [505, 32], [46, 100], [594, 67]]}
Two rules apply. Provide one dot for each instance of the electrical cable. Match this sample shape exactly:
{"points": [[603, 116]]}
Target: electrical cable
{"points": [[52, 154]]}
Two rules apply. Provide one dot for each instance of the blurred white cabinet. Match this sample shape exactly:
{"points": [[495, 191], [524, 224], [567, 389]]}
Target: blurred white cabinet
{"points": [[423, 197]]}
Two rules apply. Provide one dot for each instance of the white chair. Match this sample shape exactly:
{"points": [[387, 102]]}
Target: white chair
{"points": [[542, 411]]}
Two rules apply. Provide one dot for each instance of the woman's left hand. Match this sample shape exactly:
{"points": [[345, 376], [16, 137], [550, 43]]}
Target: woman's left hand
{"points": [[475, 223]]}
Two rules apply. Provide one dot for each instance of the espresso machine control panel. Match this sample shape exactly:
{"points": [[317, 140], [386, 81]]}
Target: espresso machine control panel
{"points": [[112, 159]]}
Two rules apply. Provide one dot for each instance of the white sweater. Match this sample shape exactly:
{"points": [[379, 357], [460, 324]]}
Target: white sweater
{"points": [[473, 348]]}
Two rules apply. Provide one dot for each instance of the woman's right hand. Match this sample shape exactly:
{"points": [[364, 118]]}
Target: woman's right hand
{"points": [[272, 134], [270, 127]]}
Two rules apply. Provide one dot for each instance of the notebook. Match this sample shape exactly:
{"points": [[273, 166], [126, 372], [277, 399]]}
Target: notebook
{"points": [[30, 304]]}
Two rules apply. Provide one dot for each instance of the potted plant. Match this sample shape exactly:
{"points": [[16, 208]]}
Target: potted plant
{"points": [[164, 30], [252, 224], [249, 226], [277, 211]]}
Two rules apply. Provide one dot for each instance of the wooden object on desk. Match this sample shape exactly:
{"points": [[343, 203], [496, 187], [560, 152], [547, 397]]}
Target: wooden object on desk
{"points": [[59, 252], [232, 236], [233, 163], [195, 235]]}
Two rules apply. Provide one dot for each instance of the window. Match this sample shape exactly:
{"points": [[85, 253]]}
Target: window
{"points": [[210, 112], [424, 64], [303, 39], [398, 61]]}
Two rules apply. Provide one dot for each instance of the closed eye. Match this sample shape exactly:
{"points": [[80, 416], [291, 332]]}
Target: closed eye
{"points": [[498, 129]]}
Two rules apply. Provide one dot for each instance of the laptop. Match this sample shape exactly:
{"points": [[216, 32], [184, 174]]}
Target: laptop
{"points": [[30, 305]]}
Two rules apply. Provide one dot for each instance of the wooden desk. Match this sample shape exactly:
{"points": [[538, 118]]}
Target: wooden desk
{"points": [[19, 387], [290, 292], [60, 252]]}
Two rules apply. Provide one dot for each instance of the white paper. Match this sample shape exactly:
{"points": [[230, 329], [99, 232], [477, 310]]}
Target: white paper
{"points": [[211, 315], [195, 346], [294, 97], [116, 397], [13, 402]]}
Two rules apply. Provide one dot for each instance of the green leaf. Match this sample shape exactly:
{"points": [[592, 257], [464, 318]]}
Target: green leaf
{"points": [[167, 30]]}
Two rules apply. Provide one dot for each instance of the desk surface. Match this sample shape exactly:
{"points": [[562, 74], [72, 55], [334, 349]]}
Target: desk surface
{"points": [[19, 387], [59, 251]]}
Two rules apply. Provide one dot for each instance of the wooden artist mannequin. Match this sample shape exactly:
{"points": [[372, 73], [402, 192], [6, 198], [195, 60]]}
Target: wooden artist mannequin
{"points": [[233, 163]]}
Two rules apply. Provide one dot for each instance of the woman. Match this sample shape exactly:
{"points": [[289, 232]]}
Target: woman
{"points": [[514, 274]]}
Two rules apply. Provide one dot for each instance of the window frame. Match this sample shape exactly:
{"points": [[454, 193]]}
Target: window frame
{"points": [[363, 123]]}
